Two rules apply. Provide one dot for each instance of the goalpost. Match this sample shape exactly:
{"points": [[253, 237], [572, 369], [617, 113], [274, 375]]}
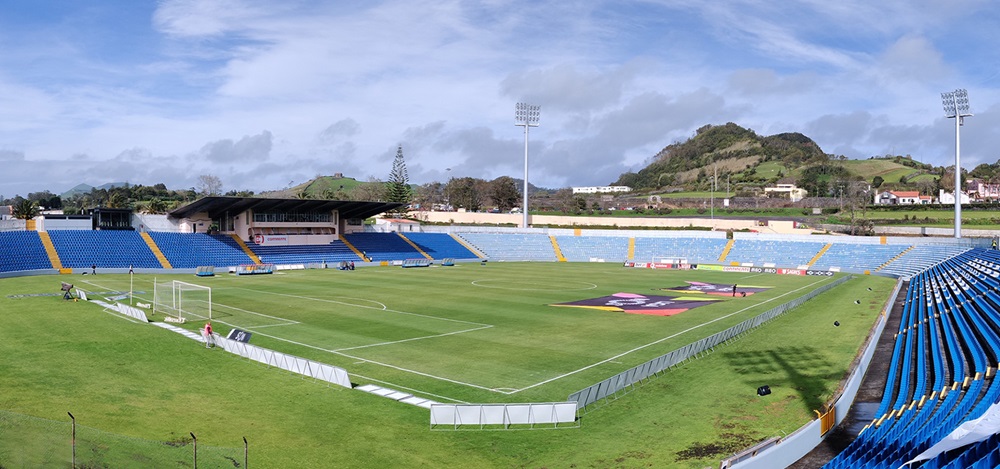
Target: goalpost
{"points": [[670, 260], [185, 301]]}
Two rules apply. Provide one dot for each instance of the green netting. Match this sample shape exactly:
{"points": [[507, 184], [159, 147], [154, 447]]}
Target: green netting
{"points": [[30, 442]]}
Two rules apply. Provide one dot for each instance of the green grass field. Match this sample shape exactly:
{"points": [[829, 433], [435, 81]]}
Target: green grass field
{"points": [[468, 333]]}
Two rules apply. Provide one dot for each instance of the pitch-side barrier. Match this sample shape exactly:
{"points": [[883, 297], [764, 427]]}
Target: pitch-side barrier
{"points": [[623, 382]]}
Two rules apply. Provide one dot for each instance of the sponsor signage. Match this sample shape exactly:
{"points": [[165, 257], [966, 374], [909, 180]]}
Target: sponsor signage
{"points": [[821, 273], [239, 335], [731, 268], [271, 240], [791, 272]]}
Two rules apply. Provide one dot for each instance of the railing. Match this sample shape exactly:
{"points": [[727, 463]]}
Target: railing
{"points": [[624, 381]]}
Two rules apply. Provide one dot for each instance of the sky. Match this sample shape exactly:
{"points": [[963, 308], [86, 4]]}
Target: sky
{"points": [[265, 95]]}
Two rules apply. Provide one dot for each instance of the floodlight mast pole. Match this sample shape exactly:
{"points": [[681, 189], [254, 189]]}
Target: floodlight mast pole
{"points": [[956, 106], [526, 115]]}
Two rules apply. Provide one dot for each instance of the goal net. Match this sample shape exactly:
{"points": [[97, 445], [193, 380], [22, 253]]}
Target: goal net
{"points": [[185, 301], [670, 260]]}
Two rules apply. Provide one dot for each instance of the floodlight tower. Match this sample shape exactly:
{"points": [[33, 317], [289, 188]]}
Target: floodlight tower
{"points": [[526, 115], [956, 106]]}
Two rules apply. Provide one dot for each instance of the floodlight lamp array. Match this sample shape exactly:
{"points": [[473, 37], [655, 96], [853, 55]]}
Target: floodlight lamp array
{"points": [[948, 101], [527, 114], [962, 101], [956, 103]]}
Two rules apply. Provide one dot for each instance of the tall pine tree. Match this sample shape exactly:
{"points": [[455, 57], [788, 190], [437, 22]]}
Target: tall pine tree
{"points": [[398, 185]]}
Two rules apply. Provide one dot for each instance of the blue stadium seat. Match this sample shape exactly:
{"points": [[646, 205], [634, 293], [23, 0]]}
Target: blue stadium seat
{"points": [[22, 251]]}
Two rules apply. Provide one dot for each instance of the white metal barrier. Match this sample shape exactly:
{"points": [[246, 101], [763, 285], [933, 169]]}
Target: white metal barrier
{"points": [[546, 413], [302, 366]]}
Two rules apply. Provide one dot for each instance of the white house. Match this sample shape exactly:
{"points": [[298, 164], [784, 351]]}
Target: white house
{"points": [[949, 198], [601, 189], [786, 190], [902, 198]]}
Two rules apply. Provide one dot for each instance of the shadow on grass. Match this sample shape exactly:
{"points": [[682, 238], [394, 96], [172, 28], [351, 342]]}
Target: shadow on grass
{"points": [[801, 368]]}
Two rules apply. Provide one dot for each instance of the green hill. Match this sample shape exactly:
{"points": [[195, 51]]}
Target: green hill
{"points": [[729, 150], [321, 187], [744, 159]]}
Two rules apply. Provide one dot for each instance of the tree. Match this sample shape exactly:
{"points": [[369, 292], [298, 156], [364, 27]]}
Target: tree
{"points": [[25, 209], [429, 195], [209, 185], [398, 185], [371, 191], [116, 200], [465, 193], [858, 196], [504, 193], [156, 205], [877, 182]]}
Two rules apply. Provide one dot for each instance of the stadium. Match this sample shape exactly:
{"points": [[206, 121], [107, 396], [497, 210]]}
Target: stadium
{"points": [[472, 346]]}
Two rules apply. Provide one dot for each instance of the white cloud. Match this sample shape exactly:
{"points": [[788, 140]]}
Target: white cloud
{"points": [[249, 148], [189, 86]]}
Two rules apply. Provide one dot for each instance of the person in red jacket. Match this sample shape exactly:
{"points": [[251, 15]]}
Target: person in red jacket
{"points": [[207, 334]]}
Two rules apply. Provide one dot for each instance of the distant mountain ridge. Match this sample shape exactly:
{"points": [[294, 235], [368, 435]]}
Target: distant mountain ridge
{"points": [[86, 188]]}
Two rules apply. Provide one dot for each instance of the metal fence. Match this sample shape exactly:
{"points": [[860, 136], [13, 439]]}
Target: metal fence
{"points": [[623, 382], [29, 442]]}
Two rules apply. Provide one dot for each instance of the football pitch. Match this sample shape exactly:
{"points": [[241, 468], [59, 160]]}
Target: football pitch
{"points": [[473, 333], [491, 333]]}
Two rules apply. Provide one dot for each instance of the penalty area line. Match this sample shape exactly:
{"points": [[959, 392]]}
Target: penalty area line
{"points": [[373, 362], [413, 339], [384, 308]]}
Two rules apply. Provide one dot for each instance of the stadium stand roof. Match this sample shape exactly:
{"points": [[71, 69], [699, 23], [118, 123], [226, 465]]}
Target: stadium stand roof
{"points": [[217, 206]]}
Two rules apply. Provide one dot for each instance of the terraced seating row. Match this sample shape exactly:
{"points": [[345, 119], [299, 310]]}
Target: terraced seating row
{"points": [[80, 249], [858, 257], [305, 254], [22, 250], [383, 246], [585, 248], [780, 253], [921, 257], [191, 250], [440, 246], [943, 366], [512, 246], [695, 250]]}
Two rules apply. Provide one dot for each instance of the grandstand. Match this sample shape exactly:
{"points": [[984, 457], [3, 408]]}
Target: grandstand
{"points": [[858, 257], [335, 251], [779, 253], [498, 246], [81, 249], [919, 258], [942, 369], [697, 250], [190, 250], [382, 246], [30, 252], [586, 248], [440, 246]]}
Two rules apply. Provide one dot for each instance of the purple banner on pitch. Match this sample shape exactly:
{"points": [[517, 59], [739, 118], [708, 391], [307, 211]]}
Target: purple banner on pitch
{"points": [[633, 303], [718, 289]]}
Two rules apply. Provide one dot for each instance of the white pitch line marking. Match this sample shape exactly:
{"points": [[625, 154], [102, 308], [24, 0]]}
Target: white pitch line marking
{"points": [[414, 338], [365, 360], [607, 360], [369, 307], [588, 285]]}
